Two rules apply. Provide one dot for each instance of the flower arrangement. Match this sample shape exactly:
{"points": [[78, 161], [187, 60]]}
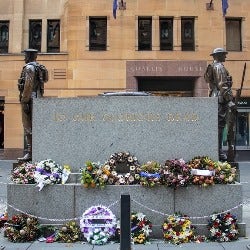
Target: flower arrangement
{"points": [[149, 174], [141, 227], [98, 225], [175, 173], [21, 228], [48, 172], [178, 229], [221, 172], [24, 173], [223, 227], [224, 173], [127, 173], [93, 175], [202, 163], [70, 232]]}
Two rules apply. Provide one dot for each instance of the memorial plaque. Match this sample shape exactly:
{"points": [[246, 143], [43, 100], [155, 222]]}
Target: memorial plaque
{"points": [[75, 130]]}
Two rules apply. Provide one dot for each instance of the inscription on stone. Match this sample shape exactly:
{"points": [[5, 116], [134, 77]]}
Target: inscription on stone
{"points": [[75, 130]]}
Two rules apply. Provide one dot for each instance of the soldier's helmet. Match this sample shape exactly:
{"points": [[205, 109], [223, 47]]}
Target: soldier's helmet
{"points": [[218, 50]]}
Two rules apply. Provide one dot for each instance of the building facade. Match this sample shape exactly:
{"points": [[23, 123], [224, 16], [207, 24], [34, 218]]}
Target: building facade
{"points": [[91, 47]]}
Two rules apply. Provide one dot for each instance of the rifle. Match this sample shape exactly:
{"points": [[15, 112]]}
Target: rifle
{"points": [[232, 128]]}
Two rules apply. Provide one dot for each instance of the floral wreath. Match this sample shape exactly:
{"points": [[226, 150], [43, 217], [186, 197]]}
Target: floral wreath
{"points": [[70, 232], [223, 172], [48, 172], [24, 174], [98, 225], [175, 173], [150, 174], [93, 175], [202, 163], [178, 229], [140, 228], [22, 228], [110, 168], [223, 227]]}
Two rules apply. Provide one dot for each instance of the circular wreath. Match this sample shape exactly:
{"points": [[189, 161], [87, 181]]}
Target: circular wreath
{"points": [[48, 172], [223, 227], [126, 159], [178, 229], [141, 227], [22, 228], [70, 232], [98, 225], [24, 173], [175, 173], [150, 174]]}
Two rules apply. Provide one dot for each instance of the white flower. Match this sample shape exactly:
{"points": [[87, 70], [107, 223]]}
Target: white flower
{"points": [[132, 168], [140, 216], [146, 229]]}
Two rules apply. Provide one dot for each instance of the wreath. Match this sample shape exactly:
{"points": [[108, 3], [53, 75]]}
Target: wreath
{"points": [[22, 228], [178, 229], [24, 173], [223, 227], [126, 160], [141, 228], [98, 225], [222, 172], [49, 172], [150, 174], [175, 173], [70, 232], [94, 175]]}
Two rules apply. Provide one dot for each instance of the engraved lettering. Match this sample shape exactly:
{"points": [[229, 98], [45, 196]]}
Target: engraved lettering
{"points": [[59, 117]]}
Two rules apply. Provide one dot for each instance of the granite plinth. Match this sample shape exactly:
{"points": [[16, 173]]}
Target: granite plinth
{"points": [[54, 204], [75, 130]]}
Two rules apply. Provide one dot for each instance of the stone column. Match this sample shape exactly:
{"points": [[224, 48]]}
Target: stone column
{"points": [[16, 33]]}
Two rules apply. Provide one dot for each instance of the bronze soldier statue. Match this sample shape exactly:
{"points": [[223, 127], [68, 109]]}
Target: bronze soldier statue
{"points": [[28, 88], [220, 86]]}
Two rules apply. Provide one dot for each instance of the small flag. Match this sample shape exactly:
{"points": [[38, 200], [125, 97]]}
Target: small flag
{"points": [[224, 7], [114, 8]]}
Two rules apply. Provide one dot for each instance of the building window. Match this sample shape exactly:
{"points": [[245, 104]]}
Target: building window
{"points": [[4, 36], [144, 33], [187, 34], [98, 33], [35, 34], [53, 36], [166, 33], [233, 34]]}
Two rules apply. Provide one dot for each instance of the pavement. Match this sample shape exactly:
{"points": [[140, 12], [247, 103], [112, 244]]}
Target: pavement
{"points": [[155, 244]]}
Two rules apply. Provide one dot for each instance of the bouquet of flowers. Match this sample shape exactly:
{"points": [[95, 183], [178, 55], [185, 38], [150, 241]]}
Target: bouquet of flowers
{"points": [[22, 228], [175, 173], [93, 175], [48, 172], [150, 174], [141, 227], [223, 227], [24, 173], [70, 232], [178, 229]]}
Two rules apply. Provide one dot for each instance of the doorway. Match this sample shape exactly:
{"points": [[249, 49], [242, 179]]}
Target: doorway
{"points": [[167, 86]]}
